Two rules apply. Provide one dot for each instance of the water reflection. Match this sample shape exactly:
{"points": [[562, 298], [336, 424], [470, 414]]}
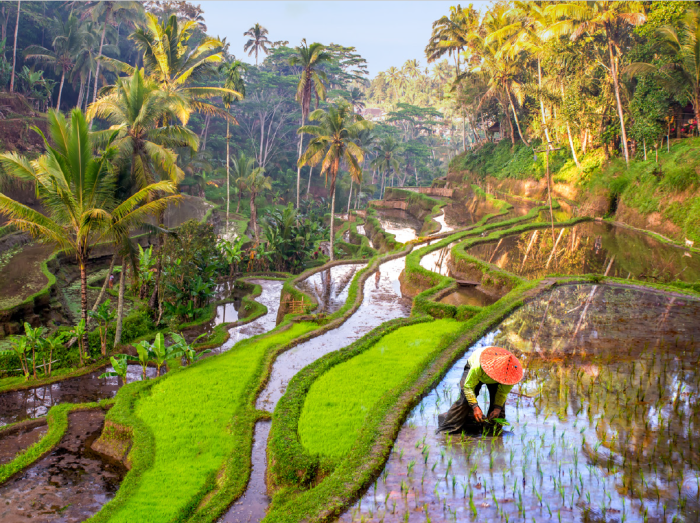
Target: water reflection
{"points": [[399, 223], [603, 427], [330, 287], [587, 248]]}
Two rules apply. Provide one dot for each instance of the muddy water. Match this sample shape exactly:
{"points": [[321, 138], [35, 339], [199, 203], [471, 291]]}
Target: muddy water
{"points": [[443, 225], [70, 484], [602, 428], [20, 438], [399, 223], [436, 261], [469, 296], [330, 287], [270, 297], [252, 506], [591, 248], [31, 403]]}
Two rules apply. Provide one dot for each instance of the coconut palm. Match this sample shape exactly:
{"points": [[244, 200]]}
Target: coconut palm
{"points": [[386, 150], [615, 20], [169, 61], [256, 183], [258, 41], [76, 188], [110, 13], [684, 48], [234, 81], [395, 78], [67, 45], [309, 58], [242, 168], [136, 107], [332, 144], [452, 34], [356, 98]]}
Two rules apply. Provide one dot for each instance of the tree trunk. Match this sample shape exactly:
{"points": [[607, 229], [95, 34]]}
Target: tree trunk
{"points": [[254, 216], [571, 144], [205, 132], [515, 115], [79, 103], [539, 83], [60, 92], [14, 51], [616, 84], [83, 303], [238, 205], [97, 69], [332, 214], [228, 171], [301, 143], [87, 89], [308, 187], [120, 303], [350, 197], [104, 285]]}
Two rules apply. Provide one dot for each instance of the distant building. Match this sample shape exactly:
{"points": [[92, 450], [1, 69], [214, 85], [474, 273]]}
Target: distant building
{"points": [[373, 113]]}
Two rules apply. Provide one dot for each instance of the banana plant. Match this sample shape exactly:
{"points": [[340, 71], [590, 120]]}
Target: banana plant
{"points": [[78, 332], [120, 364], [34, 340], [143, 349], [19, 348], [185, 349], [48, 347], [160, 353], [232, 253], [103, 315]]}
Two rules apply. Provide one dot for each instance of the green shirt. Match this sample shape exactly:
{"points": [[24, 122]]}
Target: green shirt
{"points": [[476, 374]]}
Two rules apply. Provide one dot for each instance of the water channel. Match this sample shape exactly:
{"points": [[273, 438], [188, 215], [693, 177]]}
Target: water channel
{"points": [[602, 428]]}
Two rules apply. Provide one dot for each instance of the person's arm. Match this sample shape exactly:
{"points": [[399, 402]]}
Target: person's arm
{"points": [[473, 379]]}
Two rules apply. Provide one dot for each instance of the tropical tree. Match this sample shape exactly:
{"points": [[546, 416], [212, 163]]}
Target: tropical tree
{"points": [[615, 20], [110, 13], [387, 151], [453, 34], [14, 50], [683, 46], [76, 188], [256, 183], [120, 364], [332, 144], [233, 80], [103, 315], [67, 45], [309, 58], [258, 41], [242, 168]]}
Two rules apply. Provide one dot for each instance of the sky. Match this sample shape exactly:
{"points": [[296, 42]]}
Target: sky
{"points": [[384, 33]]}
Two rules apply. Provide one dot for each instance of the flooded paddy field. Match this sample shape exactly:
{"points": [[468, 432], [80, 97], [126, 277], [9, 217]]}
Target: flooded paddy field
{"points": [[603, 426], [473, 296], [587, 248], [68, 485], [18, 438], [399, 223], [330, 287], [20, 272]]}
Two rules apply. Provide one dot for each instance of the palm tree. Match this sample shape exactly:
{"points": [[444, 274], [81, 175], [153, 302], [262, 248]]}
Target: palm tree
{"points": [[76, 188], [451, 35], [332, 144], [684, 49], [396, 78], [356, 99], [66, 46], [614, 19], [169, 60], [386, 151], [242, 169], [136, 106], [14, 51], [309, 58], [256, 183], [258, 41], [110, 13], [234, 81]]}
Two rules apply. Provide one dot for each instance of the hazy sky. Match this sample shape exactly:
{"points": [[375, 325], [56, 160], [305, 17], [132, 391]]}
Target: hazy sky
{"points": [[384, 33]]}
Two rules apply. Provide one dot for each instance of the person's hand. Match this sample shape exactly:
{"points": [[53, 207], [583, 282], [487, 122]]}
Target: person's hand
{"points": [[495, 413], [478, 414]]}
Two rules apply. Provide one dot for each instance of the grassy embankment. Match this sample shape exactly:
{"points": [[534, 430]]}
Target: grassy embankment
{"points": [[667, 190]]}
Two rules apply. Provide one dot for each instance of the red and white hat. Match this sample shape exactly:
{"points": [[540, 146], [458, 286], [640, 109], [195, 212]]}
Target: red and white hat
{"points": [[500, 365]]}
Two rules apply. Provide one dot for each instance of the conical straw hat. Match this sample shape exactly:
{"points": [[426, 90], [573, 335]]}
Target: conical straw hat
{"points": [[500, 365]]}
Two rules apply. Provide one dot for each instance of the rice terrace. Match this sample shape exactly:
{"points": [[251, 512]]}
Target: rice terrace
{"points": [[349, 261]]}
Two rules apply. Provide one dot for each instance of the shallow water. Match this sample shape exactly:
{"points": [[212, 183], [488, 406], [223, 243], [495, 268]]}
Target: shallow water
{"points": [[252, 505], [16, 439], [399, 223], [587, 248], [436, 261], [469, 296], [19, 405], [270, 297], [602, 428], [70, 484], [330, 287], [21, 274], [443, 225]]}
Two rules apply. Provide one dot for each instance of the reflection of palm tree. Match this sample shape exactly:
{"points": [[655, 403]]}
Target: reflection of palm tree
{"points": [[258, 41]]}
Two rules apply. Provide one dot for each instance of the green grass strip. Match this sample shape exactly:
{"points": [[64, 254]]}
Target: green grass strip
{"points": [[337, 403]]}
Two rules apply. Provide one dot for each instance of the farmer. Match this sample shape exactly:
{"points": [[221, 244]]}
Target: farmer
{"points": [[494, 367]]}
